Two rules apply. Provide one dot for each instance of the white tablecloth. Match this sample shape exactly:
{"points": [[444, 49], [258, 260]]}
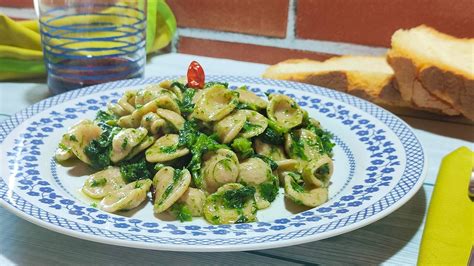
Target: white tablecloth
{"points": [[392, 240]]}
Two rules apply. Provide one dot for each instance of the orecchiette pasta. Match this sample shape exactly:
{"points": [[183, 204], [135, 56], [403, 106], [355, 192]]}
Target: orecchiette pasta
{"points": [[255, 125], [213, 152], [170, 184], [194, 200], [127, 197], [165, 149], [125, 141], [311, 197], [218, 210], [284, 111], [76, 139], [229, 127], [215, 103], [251, 99], [219, 168], [102, 183]]}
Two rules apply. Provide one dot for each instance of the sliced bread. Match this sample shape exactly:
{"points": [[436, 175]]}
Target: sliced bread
{"points": [[434, 70], [364, 76]]}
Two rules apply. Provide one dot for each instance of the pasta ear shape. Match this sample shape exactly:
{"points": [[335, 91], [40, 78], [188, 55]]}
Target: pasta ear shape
{"points": [[284, 111]]}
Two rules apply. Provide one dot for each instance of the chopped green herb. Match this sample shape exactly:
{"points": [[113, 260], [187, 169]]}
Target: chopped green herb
{"points": [[243, 146], [250, 127], [324, 139], [198, 143], [242, 219], [124, 144], [273, 134], [94, 205], [297, 187], [105, 117], [214, 83], [64, 147], [297, 147], [98, 182], [181, 211], [249, 106], [158, 166], [138, 106], [168, 149], [73, 138], [135, 170], [235, 199], [98, 150]]}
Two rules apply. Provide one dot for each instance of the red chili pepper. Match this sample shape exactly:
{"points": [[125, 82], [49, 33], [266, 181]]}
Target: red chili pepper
{"points": [[195, 76]]}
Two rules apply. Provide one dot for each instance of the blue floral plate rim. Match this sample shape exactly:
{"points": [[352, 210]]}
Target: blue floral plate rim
{"points": [[219, 239]]}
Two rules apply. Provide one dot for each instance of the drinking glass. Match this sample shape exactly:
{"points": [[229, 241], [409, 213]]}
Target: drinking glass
{"points": [[87, 42]]}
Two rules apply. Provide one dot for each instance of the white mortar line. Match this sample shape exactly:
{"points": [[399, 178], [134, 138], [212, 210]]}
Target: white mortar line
{"points": [[329, 47], [291, 20]]}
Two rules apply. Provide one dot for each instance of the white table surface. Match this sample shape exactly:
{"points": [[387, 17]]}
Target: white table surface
{"points": [[394, 239]]}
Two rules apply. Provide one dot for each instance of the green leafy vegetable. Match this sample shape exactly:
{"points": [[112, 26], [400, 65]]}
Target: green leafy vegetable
{"points": [[273, 134], [198, 143], [181, 211], [297, 187], [249, 126], [297, 147], [243, 146], [273, 165], [98, 151], [186, 106], [268, 190], [105, 117], [178, 84], [213, 83], [202, 145], [135, 170], [189, 134], [235, 199], [326, 144]]}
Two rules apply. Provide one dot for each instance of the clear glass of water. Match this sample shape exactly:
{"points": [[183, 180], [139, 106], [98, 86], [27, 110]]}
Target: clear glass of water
{"points": [[87, 42]]}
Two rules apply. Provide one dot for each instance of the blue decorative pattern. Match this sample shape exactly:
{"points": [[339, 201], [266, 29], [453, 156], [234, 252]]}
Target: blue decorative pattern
{"points": [[383, 163]]}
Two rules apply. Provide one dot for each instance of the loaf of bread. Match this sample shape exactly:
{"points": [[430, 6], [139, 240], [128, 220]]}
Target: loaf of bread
{"points": [[434, 70], [367, 77]]}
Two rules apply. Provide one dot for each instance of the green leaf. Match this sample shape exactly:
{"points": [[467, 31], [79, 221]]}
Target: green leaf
{"points": [[235, 199], [181, 211], [243, 146]]}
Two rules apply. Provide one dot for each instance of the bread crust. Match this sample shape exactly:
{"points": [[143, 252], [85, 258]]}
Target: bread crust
{"points": [[412, 89]]}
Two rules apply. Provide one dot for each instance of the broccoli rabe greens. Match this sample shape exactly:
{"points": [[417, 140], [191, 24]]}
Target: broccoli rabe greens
{"points": [[213, 152]]}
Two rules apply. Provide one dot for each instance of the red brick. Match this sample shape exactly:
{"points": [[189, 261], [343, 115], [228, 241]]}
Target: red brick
{"points": [[372, 22], [16, 3], [243, 52], [260, 17]]}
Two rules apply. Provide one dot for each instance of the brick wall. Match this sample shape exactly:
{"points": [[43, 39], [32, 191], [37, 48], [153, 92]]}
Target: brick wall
{"points": [[269, 31]]}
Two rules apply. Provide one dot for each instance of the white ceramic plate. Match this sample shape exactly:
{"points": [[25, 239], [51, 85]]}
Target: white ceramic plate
{"points": [[379, 165]]}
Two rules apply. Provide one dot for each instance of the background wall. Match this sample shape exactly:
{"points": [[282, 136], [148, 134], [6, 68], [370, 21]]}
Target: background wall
{"points": [[269, 31]]}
